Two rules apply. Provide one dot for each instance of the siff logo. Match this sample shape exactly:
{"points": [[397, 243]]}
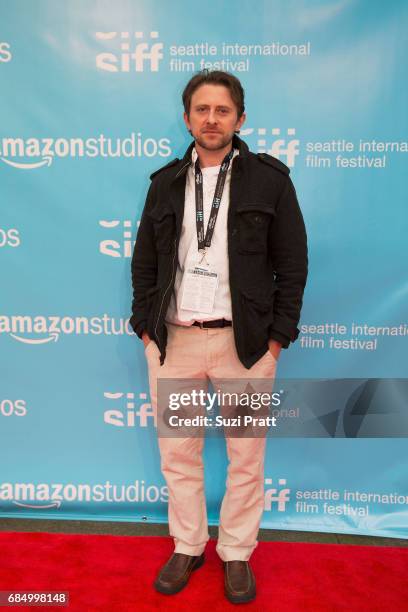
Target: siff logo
{"points": [[272, 495], [124, 414], [5, 54], [121, 247], [285, 150], [128, 58]]}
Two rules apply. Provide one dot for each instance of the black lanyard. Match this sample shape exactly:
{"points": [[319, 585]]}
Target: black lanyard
{"points": [[205, 243]]}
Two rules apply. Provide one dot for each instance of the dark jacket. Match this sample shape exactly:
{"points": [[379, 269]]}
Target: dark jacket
{"points": [[267, 252]]}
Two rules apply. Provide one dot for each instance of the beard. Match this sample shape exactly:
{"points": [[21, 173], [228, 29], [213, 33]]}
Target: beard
{"points": [[214, 143]]}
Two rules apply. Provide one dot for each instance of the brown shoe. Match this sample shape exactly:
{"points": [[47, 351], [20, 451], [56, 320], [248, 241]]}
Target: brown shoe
{"points": [[175, 574], [239, 582]]}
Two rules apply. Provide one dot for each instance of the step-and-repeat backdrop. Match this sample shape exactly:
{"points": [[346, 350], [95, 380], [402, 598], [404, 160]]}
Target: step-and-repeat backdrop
{"points": [[90, 105]]}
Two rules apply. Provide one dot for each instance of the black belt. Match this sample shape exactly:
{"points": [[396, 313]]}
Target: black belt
{"points": [[215, 323]]}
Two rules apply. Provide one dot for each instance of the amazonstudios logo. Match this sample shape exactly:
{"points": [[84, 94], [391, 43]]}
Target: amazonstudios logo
{"points": [[5, 53], [34, 152]]}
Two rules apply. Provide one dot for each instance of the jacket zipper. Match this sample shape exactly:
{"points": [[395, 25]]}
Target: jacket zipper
{"points": [[181, 169], [229, 234], [172, 272], [164, 295]]}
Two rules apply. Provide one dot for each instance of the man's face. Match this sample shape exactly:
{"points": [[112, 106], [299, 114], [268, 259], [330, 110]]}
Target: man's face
{"points": [[213, 117]]}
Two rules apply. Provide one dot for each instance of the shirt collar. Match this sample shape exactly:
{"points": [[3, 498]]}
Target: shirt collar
{"points": [[194, 155]]}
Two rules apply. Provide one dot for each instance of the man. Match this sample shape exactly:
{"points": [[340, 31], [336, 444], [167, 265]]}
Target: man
{"points": [[218, 272]]}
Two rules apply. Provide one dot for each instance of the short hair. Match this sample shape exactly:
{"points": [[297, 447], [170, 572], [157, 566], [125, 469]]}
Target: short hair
{"points": [[215, 77]]}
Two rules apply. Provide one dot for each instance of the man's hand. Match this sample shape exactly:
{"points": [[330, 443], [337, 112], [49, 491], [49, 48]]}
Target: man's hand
{"points": [[146, 339], [275, 348]]}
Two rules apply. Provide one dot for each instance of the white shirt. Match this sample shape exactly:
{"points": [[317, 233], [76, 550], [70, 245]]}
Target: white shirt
{"points": [[217, 254]]}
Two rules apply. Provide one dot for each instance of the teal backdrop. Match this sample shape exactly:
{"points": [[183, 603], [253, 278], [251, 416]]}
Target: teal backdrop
{"points": [[90, 105]]}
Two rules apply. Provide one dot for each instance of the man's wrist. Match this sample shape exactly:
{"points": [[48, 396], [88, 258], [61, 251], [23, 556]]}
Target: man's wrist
{"points": [[145, 338], [278, 337], [275, 348]]}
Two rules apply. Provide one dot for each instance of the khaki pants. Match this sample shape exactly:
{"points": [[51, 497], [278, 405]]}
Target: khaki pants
{"points": [[203, 354]]}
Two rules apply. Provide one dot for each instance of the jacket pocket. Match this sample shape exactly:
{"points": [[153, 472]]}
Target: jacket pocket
{"points": [[257, 314], [253, 227], [164, 227]]}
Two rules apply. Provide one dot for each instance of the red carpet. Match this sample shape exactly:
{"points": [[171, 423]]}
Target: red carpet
{"points": [[104, 573]]}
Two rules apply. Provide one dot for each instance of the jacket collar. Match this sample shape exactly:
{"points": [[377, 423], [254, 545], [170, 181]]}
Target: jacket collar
{"points": [[237, 143]]}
